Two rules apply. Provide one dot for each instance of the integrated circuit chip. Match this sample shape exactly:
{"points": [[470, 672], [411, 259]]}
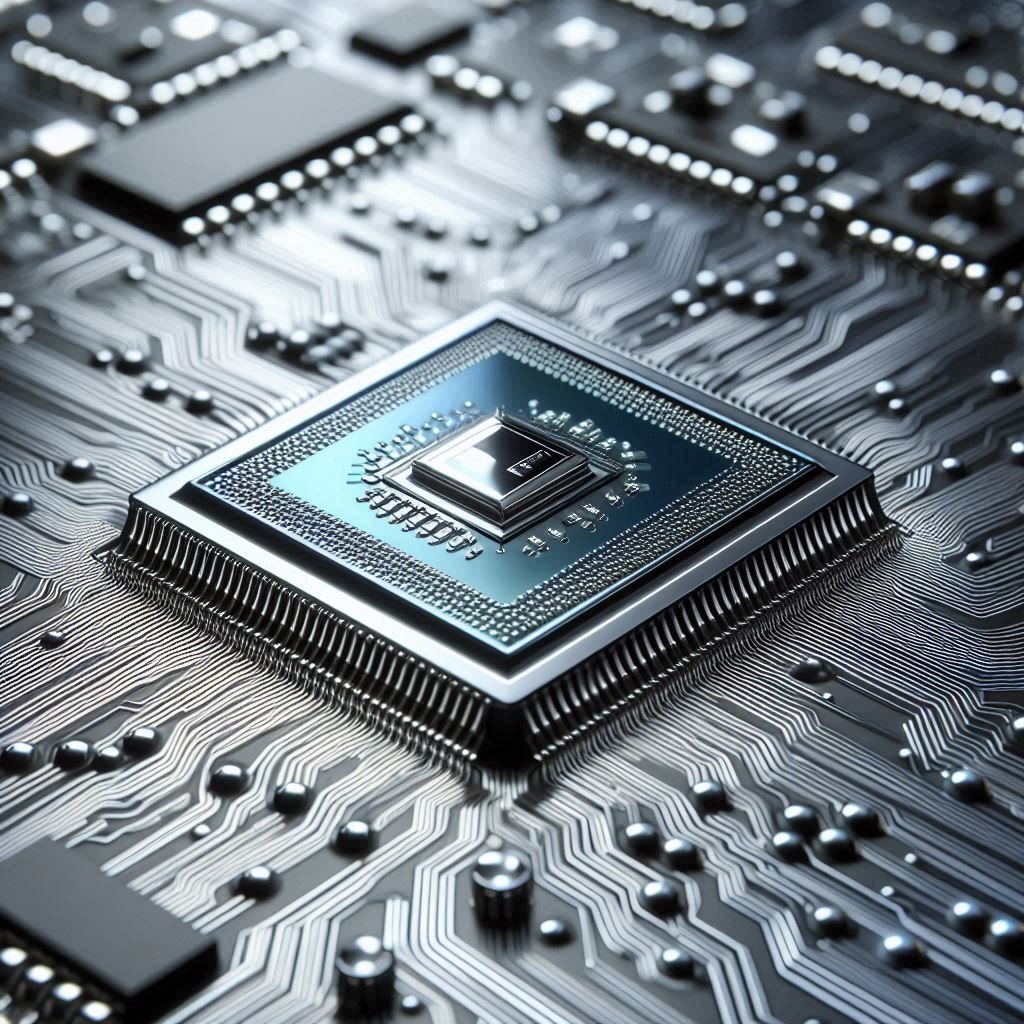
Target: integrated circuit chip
{"points": [[500, 516], [113, 942], [965, 65], [138, 53], [246, 133], [713, 121], [928, 204], [499, 474], [412, 31]]}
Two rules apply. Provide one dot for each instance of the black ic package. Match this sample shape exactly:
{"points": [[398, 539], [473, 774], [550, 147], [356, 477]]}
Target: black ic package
{"points": [[411, 32], [146, 43], [147, 53], [965, 53], [743, 135], [930, 202], [61, 905], [246, 133]]}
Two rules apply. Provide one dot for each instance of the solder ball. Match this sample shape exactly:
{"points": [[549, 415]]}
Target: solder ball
{"points": [[142, 741], [229, 780], [641, 838], [661, 897], [675, 963], [554, 931], [291, 798], [837, 845], [710, 796], [811, 670], [17, 504], [353, 838], [861, 820], [73, 755], [830, 922], [258, 883], [680, 854], [902, 951], [789, 846], [1006, 936], [967, 785], [18, 757], [800, 818], [77, 469], [968, 917]]}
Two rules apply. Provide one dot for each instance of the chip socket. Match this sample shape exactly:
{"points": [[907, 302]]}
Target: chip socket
{"points": [[498, 535]]}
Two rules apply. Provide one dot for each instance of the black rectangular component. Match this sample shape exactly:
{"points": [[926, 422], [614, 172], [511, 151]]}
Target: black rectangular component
{"points": [[754, 130], [972, 57], [147, 43], [972, 212], [142, 956], [205, 152], [411, 32]]}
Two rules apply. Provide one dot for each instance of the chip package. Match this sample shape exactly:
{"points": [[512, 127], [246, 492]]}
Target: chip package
{"points": [[413, 31], [501, 489], [196, 157], [112, 946]]}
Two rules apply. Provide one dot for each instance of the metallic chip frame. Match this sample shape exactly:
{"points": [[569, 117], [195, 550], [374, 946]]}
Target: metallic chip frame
{"points": [[173, 541]]}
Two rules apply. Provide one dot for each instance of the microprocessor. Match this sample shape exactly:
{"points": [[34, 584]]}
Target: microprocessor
{"points": [[502, 514], [249, 131], [121, 946], [500, 474], [413, 31], [128, 49]]}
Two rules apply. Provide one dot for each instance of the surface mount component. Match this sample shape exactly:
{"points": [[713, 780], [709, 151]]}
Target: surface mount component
{"points": [[247, 132], [501, 515], [412, 31], [141, 52], [116, 943]]}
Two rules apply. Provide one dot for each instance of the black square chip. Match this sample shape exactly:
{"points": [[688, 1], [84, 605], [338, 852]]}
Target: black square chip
{"points": [[411, 32], [499, 534]]}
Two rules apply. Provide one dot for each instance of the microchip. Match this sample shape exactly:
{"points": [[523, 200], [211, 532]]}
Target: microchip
{"points": [[412, 32], [917, 51], [711, 121], [964, 215], [64, 908], [246, 133], [125, 50], [497, 533], [500, 474]]}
